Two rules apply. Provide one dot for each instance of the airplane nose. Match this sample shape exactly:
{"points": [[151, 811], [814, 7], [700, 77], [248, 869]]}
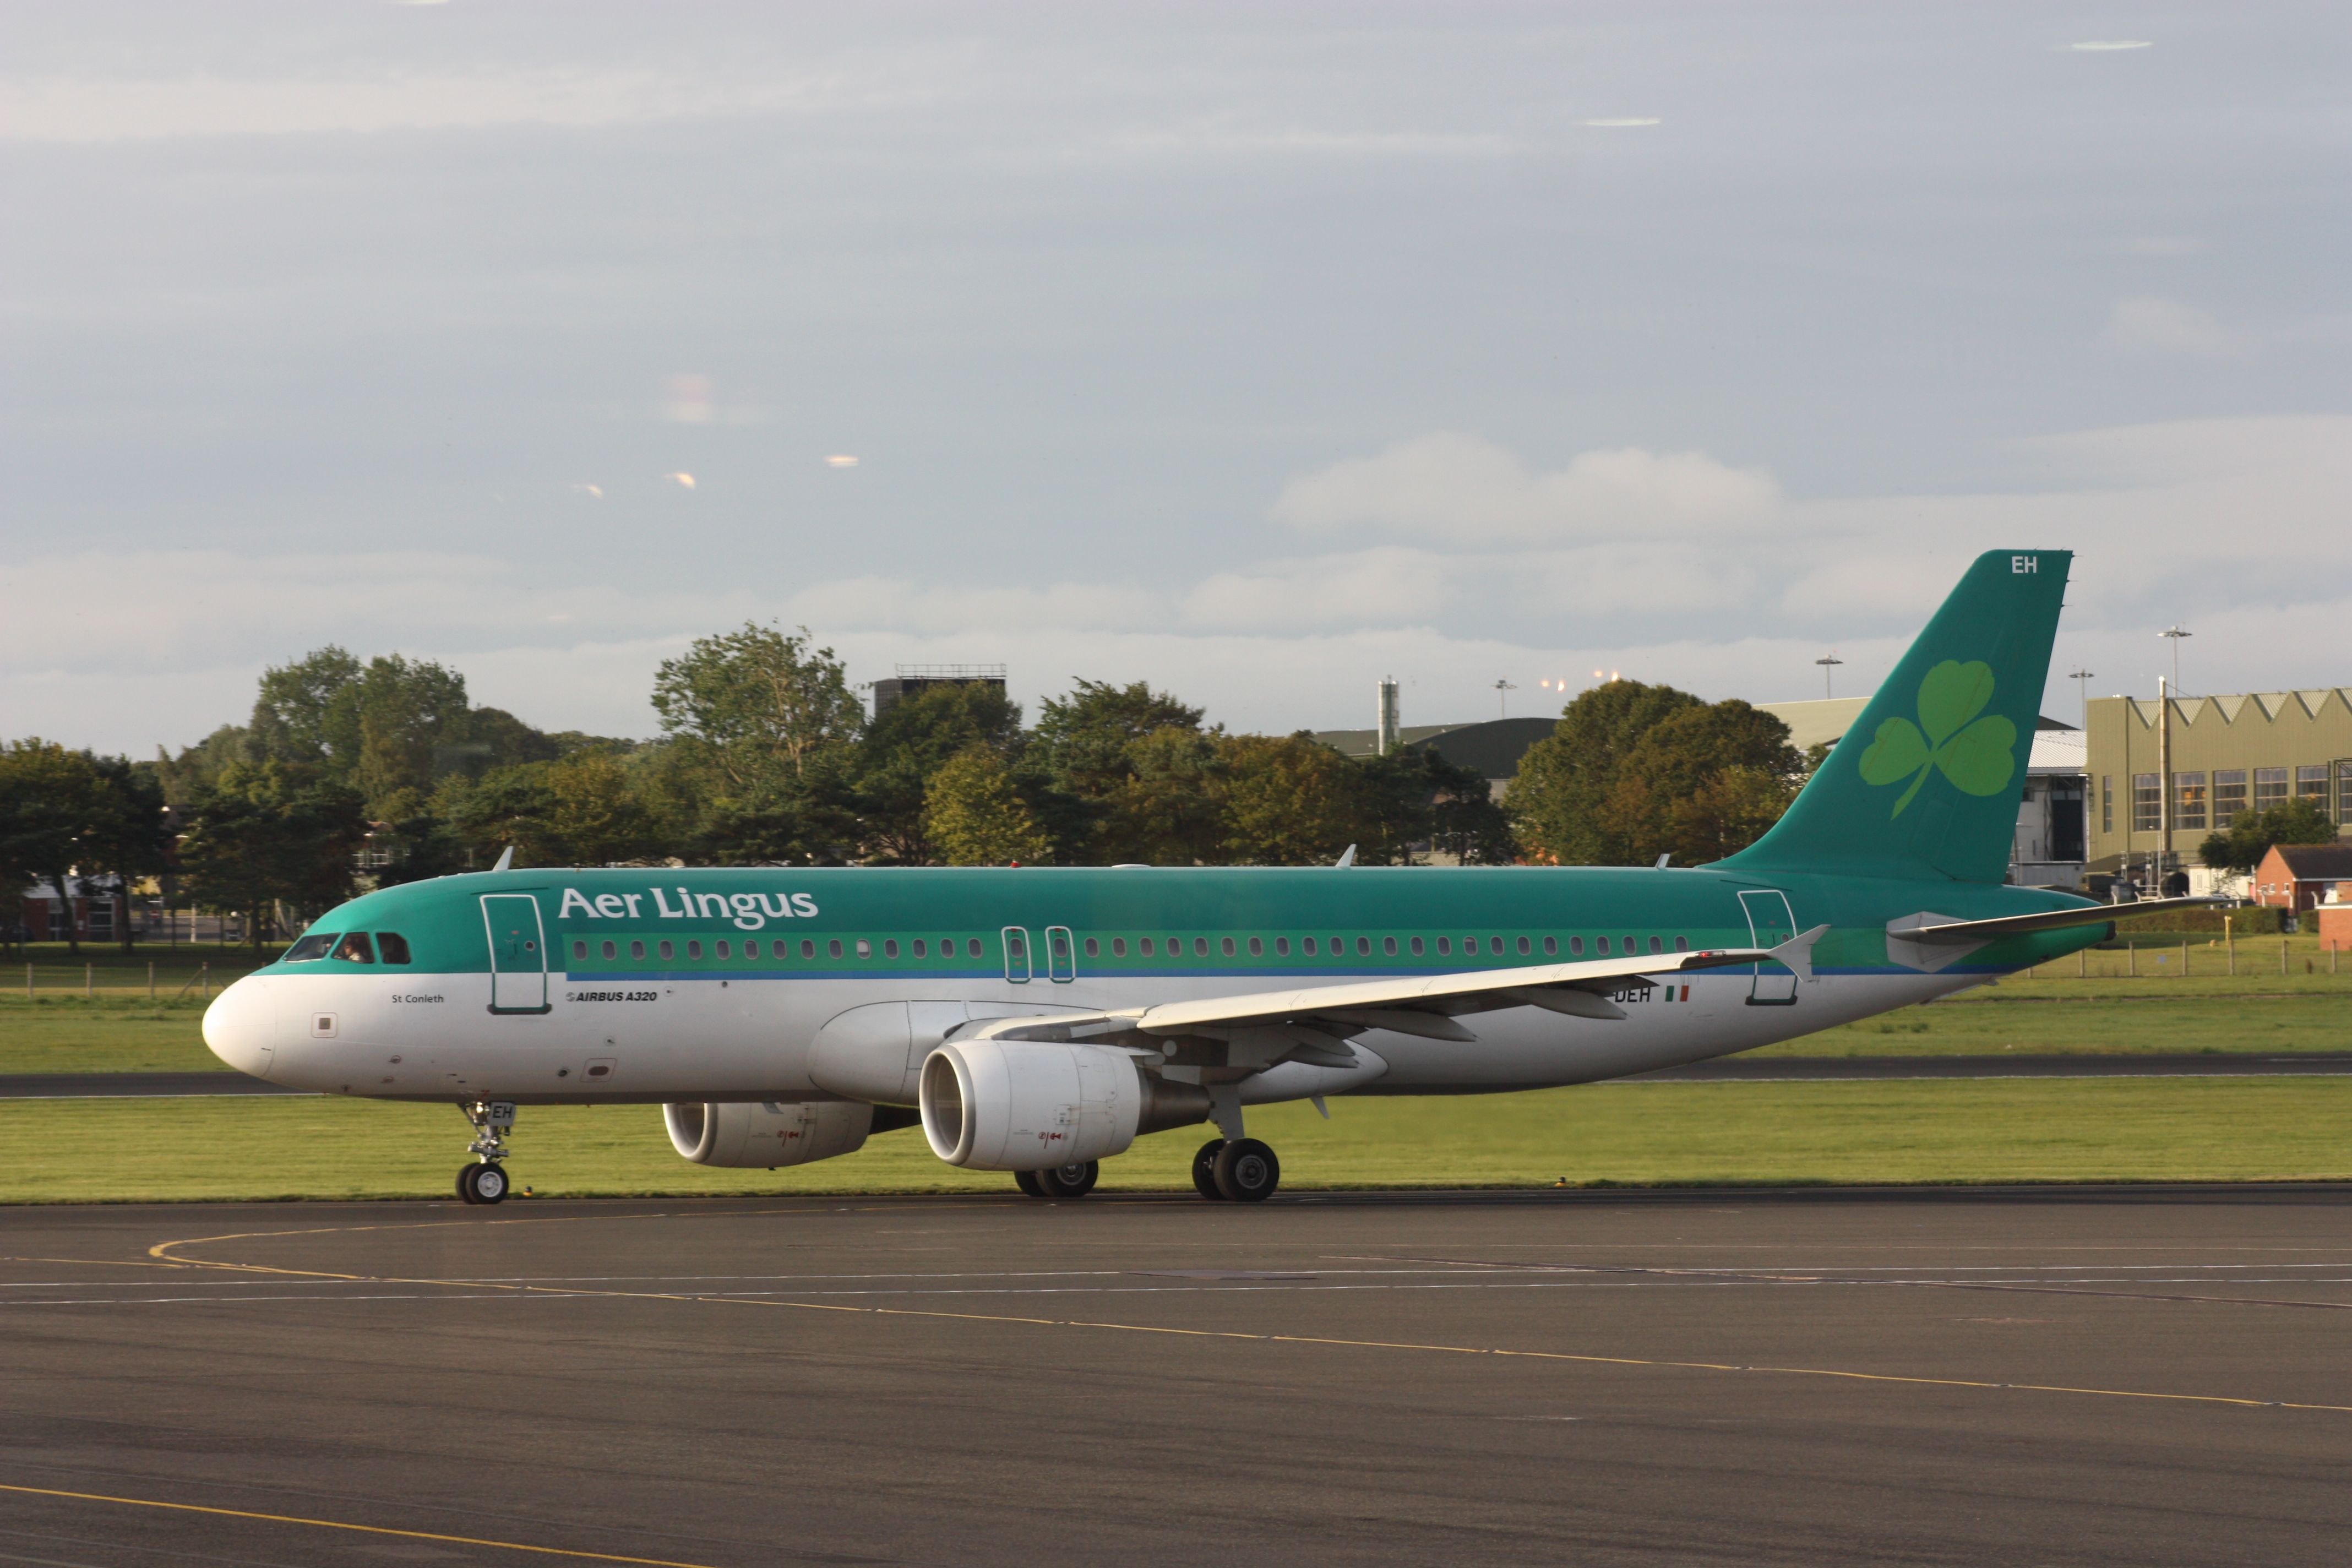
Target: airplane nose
{"points": [[241, 1025]]}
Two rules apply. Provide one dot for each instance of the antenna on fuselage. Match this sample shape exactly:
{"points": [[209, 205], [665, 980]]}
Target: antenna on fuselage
{"points": [[505, 859], [1347, 857]]}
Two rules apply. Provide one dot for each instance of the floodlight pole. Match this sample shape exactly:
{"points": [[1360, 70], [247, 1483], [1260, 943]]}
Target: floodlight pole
{"points": [[1503, 690], [2174, 634], [2081, 679], [1829, 672]]}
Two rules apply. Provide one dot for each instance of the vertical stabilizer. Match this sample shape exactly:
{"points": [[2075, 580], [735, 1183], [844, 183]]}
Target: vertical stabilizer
{"points": [[1927, 783]]}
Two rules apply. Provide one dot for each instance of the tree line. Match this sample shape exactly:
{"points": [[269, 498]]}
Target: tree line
{"points": [[351, 771]]}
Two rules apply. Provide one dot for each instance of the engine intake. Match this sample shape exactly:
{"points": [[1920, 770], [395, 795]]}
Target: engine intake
{"points": [[769, 1134], [1026, 1105]]}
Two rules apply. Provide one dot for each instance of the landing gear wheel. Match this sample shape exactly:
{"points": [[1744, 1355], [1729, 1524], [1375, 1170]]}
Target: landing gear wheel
{"points": [[1028, 1182], [484, 1184], [1247, 1172], [1070, 1180], [1204, 1170]]}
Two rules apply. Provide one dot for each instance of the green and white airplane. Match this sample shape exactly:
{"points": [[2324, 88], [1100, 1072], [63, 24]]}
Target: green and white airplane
{"points": [[1038, 1020]]}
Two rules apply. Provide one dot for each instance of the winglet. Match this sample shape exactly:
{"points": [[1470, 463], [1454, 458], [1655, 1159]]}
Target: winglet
{"points": [[1797, 953], [1347, 857], [505, 859]]}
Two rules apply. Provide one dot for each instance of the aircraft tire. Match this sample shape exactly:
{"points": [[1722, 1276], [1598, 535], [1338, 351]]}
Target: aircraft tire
{"points": [[1070, 1180], [1028, 1182], [1205, 1170], [490, 1184], [1247, 1172], [465, 1184]]}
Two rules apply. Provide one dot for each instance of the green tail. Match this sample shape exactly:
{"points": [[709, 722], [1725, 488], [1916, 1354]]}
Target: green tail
{"points": [[1927, 783]]}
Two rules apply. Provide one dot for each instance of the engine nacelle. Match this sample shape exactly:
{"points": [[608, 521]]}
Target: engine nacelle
{"points": [[1028, 1105], [768, 1134]]}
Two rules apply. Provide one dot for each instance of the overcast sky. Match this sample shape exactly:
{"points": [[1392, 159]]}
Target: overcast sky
{"points": [[1257, 352]]}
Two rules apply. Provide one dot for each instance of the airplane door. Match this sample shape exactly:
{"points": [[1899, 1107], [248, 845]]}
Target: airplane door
{"points": [[1017, 956], [517, 953], [1769, 924], [1061, 955]]}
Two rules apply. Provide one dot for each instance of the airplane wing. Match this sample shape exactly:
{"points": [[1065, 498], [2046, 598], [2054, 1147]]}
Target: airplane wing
{"points": [[1427, 1006]]}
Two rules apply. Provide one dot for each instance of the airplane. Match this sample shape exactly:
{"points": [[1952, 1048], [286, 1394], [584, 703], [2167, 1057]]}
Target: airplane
{"points": [[1038, 1020]]}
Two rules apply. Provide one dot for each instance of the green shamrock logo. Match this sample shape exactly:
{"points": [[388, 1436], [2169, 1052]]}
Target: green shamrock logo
{"points": [[1978, 757]]}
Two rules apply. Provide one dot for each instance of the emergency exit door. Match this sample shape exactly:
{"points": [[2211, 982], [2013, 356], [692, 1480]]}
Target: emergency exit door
{"points": [[517, 953], [1769, 924]]}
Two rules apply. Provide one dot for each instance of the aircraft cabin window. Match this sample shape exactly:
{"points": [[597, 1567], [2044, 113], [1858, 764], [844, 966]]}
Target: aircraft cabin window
{"points": [[833, 948], [1307, 945], [1257, 947], [1416, 947], [694, 950], [1226, 945], [668, 951], [1681, 944], [890, 948], [1118, 947], [392, 945], [1576, 946], [1444, 946], [723, 951], [1469, 947], [1363, 947], [579, 949], [1338, 946], [1387, 946], [1600, 945], [920, 951], [310, 948], [808, 949], [865, 948], [1656, 945], [637, 950], [1524, 947], [355, 949], [1201, 946], [1629, 945], [975, 948], [1551, 947], [1144, 947], [1282, 947], [611, 952], [1094, 948]]}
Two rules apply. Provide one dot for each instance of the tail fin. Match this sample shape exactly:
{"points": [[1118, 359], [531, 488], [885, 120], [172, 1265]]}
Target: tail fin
{"points": [[1927, 781]]}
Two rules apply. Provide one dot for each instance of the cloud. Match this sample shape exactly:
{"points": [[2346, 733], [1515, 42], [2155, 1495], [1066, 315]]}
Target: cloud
{"points": [[2168, 326], [1387, 584], [1467, 489]]}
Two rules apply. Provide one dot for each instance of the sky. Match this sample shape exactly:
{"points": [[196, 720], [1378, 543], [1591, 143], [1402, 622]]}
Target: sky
{"points": [[1258, 352]]}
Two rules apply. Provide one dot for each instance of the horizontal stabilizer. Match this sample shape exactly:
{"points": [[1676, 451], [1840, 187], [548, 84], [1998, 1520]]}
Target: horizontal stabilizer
{"points": [[1936, 929]]}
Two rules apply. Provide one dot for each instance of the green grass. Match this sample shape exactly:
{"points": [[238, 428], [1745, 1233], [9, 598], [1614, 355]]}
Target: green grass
{"points": [[1636, 1134]]}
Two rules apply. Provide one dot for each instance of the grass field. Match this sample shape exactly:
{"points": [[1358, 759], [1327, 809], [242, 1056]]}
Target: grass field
{"points": [[1965, 1132]]}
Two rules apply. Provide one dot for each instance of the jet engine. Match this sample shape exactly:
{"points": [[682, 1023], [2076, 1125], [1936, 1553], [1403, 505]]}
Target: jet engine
{"points": [[1027, 1105], [769, 1134]]}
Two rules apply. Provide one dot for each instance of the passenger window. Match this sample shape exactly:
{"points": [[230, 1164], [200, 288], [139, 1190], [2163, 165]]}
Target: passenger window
{"points": [[1576, 947], [1144, 947], [1201, 946], [392, 945], [1018, 946], [1226, 945], [668, 951], [1656, 945], [865, 948], [637, 950], [1469, 947], [1551, 947], [1444, 946], [1094, 948], [976, 949], [1387, 946], [808, 947], [1416, 947], [1363, 947], [890, 948], [1257, 948], [610, 952], [355, 949], [694, 950], [1117, 947], [1307, 945], [1523, 947], [920, 951], [723, 951], [1494, 946], [833, 948], [1630, 946], [1282, 947], [1338, 946], [1681, 944], [579, 949], [1600, 945]]}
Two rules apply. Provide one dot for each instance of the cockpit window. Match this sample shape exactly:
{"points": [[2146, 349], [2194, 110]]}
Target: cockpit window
{"points": [[316, 945], [355, 949], [392, 945]]}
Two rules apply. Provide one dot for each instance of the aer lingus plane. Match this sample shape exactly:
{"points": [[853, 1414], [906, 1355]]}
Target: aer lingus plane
{"points": [[1038, 1020]]}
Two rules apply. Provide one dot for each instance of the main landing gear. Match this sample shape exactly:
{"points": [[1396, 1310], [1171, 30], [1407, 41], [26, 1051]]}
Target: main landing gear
{"points": [[1061, 1182], [485, 1182], [1236, 1170]]}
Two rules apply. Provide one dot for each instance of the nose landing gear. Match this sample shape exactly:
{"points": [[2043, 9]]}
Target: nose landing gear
{"points": [[485, 1182]]}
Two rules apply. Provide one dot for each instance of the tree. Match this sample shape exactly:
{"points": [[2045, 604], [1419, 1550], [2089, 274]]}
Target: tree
{"points": [[908, 742], [303, 712], [273, 833], [1697, 781], [763, 704], [1565, 778], [407, 712], [127, 834], [2251, 834], [1289, 801], [48, 794], [973, 816], [1416, 795], [1170, 810]]}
